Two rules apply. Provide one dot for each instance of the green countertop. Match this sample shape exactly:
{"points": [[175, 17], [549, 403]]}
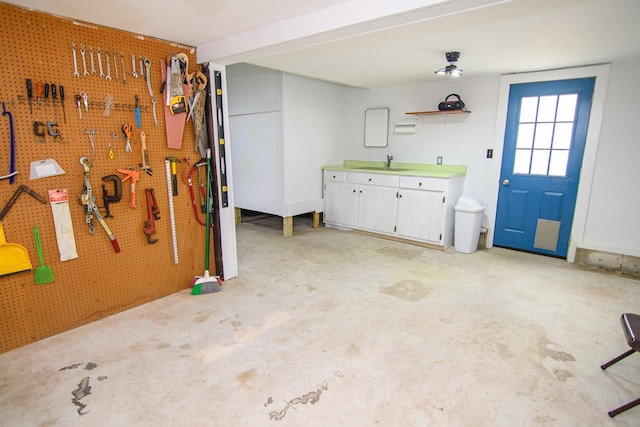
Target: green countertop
{"points": [[397, 168]]}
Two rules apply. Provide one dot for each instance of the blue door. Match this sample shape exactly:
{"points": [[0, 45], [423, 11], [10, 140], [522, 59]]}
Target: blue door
{"points": [[544, 142]]}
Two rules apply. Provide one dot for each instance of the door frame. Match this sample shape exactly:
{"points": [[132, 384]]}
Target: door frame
{"points": [[601, 73]]}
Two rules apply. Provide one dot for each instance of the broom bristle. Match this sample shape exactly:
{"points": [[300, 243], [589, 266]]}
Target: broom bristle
{"points": [[44, 275], [206, 284]]}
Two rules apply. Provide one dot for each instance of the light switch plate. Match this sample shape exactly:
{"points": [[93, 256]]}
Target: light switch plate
{"points": [[439, 160]]}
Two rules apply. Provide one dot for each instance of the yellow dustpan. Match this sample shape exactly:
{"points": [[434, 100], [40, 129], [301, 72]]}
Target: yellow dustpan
{"points": [[13, 256]]}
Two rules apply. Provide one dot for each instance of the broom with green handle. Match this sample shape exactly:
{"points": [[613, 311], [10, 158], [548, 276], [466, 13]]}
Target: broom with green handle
{"points": [[44, 274], [207, 284]]}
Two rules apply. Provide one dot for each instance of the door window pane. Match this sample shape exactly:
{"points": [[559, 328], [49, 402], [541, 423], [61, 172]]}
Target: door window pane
{"points": [[558, 163], [547, 108], [544, 134], [567, 107], [562, 136], [525, 135], [521, 161], [528, 109], [540, 162]]}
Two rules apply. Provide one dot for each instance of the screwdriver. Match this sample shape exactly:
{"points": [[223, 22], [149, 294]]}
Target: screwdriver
{"points": [[46, 94], [39, 92], [54, 95], [78, 99], [62, 100], [30, 94]]}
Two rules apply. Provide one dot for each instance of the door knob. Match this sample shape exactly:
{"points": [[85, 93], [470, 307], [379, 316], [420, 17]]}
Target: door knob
{"points": [[505, 182]]}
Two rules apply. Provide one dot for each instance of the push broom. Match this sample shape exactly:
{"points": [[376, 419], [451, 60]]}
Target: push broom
{"points": [[207, 284]]}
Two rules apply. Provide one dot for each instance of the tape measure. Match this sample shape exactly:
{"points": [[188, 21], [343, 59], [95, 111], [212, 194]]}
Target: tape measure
{"points": [[171, 214]]}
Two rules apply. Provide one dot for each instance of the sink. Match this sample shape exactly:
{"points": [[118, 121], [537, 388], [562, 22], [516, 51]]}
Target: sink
{"points": [[382, 168]]}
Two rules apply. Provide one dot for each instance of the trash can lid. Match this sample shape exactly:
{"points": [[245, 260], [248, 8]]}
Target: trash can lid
{"points": [[467, 204]]}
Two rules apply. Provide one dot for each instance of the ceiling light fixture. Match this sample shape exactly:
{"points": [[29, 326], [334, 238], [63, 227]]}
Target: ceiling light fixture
{"points": [[451, 69]]}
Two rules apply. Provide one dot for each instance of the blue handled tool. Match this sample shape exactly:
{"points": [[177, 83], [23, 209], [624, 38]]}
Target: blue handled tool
{"points": [[137, 112]]}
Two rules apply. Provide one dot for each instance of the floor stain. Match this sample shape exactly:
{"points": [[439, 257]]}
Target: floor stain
{"points": [[90, 366], [244, 377], [408, 290], [561, 374], [185, 346], [560, 355], [84, 389], [201, 319], [310, 287], [404, 253], [163, 345], [311, 397], [269, 401], [74, 366]]}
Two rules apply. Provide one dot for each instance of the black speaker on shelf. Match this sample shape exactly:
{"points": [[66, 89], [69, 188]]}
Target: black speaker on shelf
{"points": [[447, 105]]}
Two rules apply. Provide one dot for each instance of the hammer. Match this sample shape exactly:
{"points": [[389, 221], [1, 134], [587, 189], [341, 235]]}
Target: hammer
{"points": [[174, 174]]}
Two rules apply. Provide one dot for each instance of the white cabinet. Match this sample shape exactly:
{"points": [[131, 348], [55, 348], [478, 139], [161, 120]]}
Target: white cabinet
{"points": [[341, 200], [407, 207], [377, 198], [420, 215]]}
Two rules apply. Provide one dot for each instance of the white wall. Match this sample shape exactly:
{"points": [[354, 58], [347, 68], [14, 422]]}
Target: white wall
{"points": [[609, 215], [613, 216], [312, 128], [460, 139]]}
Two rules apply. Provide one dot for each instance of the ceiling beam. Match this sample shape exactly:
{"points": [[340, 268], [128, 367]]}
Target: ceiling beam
{"points": [[349, 19]]}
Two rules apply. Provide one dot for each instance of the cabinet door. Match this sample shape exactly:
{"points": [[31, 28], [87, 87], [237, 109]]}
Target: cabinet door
{"points": [[341, 203], [420, 215], [377, 208]]}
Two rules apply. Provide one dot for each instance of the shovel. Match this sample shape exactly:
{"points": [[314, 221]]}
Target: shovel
{"points": [[13, 256]]}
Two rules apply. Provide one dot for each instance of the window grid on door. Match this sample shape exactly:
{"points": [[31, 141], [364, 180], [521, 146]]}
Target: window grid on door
{"points": [[545, 132]]}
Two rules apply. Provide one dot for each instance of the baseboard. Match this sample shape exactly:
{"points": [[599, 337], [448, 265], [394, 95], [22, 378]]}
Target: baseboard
{"points": [[625, 264]]}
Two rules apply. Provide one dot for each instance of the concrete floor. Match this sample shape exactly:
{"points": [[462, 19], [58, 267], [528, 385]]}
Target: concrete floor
{"points": [[333, 328]]}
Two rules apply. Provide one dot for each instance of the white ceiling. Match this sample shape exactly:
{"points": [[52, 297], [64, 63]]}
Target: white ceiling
{"points": [[376, 43]]}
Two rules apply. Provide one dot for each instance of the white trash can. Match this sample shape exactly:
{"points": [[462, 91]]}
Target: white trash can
{"points": [[466, 233]]}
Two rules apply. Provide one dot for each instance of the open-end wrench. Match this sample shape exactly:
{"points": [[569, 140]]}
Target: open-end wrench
{"points": [[108, 76], [147, 64], [100, 63], [115, 63], [133, 66], [141, 70], [75, 61], [84, 61], [93, 68], [124, 74]]}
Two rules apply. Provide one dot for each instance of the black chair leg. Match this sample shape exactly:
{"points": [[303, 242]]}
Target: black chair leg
{"points": [[624, 408], [617, 359]]}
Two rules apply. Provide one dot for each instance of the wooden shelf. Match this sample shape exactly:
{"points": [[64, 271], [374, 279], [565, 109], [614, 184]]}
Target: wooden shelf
{"points": [[439, 113]]}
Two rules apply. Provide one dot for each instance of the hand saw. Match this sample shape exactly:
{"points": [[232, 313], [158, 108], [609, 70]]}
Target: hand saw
{"points": [[176, 100]]}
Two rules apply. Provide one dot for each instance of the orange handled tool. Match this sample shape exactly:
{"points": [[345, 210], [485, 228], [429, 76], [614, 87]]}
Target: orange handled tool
{"points": [[134, 176]]}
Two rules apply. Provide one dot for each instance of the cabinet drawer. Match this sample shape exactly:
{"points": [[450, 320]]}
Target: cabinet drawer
{"points": [[335, 176], [423, 183], [373, 179]]}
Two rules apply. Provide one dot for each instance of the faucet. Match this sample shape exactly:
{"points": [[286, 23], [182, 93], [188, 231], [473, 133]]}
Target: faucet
{"points": [[389, 158]]}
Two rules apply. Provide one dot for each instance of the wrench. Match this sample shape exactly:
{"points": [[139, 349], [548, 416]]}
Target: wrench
{"points": [[115, 63], [147, 64], [124, 74], [93, 68], [84, 61], [75, 61], [133, 66], [141, 70], [108, 77], [100, 63]]}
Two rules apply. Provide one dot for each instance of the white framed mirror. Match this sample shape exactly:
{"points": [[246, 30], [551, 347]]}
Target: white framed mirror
{"points": [[376, 127]]}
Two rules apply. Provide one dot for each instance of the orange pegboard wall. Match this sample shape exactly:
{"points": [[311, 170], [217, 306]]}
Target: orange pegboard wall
{"points": [[99, 282]]}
